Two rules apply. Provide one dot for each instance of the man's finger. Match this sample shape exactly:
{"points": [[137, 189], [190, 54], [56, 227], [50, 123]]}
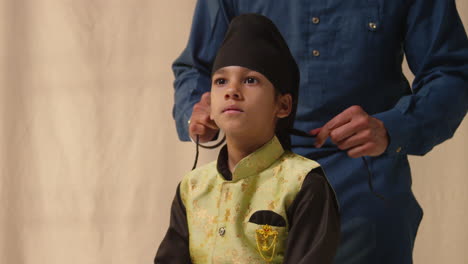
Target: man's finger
{"points": [[344, 117], [206, 98], [335, 122], [207, 121], [315, 131], [204, 120], [355, 126], [197, 129], [355, 140], [361, 150], [321, 137], [204, 132]]}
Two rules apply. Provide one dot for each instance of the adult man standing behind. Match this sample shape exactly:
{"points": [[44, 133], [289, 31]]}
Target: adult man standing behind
{"points": [[355, 98]]}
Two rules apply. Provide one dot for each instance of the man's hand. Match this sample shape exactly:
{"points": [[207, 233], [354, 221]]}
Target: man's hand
{"points": [[355, 131], [200, 122]]}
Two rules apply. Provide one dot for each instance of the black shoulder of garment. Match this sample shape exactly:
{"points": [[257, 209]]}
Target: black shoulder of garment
{"points": [[314, 222], [174, 248]]}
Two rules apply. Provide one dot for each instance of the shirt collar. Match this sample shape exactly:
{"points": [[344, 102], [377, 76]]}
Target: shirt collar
{"points": [[254, 163]]}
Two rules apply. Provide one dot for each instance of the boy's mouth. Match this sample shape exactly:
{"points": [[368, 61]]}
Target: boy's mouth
{"points": [[232, 109]]}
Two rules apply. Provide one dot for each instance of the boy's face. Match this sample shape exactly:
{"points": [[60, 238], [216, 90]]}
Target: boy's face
{"points": [[244, 102]]}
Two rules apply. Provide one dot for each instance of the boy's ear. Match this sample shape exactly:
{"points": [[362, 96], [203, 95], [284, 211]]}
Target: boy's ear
{"points": [[284, 105]]}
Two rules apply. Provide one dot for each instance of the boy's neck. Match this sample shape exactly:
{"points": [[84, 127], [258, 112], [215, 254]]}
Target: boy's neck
{"points": [[241, 148]]}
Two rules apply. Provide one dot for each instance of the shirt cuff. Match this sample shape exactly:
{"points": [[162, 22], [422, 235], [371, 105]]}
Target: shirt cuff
{"points": [[395, 122]]}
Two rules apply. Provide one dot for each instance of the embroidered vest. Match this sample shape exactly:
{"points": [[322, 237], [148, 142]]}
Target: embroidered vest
{"points": [[218, 211]]}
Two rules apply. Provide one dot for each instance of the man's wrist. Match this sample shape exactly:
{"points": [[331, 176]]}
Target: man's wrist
{"points": [[394, 122]]}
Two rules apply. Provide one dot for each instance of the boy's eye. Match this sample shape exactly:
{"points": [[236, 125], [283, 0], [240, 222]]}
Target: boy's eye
{"points": [[220, 81], [251, 80]]}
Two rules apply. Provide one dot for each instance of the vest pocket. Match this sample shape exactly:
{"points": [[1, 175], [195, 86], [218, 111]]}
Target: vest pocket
{"points": [[266, 242], [266, 217]]}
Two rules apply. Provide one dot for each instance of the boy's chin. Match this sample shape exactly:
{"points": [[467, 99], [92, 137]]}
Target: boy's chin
{"points": [[230, 131], [235, 130]]}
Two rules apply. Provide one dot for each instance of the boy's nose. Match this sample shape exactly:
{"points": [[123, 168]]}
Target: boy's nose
{"points": [[232, 93]]}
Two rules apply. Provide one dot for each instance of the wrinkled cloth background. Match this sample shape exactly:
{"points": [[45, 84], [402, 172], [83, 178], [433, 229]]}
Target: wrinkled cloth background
{"points": [[89, 157]]}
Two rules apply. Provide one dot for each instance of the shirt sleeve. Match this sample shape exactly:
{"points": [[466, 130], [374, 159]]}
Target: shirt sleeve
{"points": [[314, 222], [436, 49], [192, 69], [174, 248]]}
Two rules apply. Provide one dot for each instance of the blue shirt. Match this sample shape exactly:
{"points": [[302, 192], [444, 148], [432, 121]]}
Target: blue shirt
{"points": [[351, 53]]}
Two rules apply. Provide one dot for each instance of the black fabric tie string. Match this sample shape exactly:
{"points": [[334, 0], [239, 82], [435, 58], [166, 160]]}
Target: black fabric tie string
{"points": [[197, 150]]}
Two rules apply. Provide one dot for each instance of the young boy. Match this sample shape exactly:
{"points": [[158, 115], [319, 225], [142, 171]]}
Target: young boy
{"points": [[259, 202]]}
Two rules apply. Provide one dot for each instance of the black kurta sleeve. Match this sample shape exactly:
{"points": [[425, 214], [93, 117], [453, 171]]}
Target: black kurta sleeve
{"points": [[314, 222], [174, 248]]}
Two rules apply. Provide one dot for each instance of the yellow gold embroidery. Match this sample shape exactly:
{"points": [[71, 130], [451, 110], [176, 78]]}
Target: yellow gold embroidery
{"points": [[271, 205], [228, 196], [209, 234], [244, 186], [263, 236], [277, 170], [300, 178], [193, 184], [212, 220], [238, 208], [227, 214]]}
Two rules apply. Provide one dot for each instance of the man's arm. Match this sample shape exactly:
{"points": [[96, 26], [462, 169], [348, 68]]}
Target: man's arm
{"points": [[174, 248], [437, 52], [314, 222], [436, 48], [192, 69]]}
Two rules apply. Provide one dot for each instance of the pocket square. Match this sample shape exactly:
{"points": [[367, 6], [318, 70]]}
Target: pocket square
{"points": [[265, 217]]}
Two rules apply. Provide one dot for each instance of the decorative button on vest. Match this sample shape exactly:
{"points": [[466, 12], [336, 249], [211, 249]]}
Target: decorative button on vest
{"points": [[222, 231]]}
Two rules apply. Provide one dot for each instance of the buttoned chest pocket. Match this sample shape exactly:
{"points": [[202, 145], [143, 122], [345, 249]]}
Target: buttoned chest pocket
{"points": [[339, 48], [359, 25], [354, 29]]}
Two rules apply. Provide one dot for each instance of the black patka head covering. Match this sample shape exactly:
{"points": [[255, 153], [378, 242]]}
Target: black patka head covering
{"points": [[253, 41]]}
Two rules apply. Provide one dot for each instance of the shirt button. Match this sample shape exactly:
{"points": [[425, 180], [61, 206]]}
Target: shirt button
{"points": [[315, 20], [222, 231], [316, 53], [398, 149], [372, 25]]}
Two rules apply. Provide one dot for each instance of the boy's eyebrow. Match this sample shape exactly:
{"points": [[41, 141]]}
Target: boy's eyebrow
{"points": [[244, 70], [220, 71]]}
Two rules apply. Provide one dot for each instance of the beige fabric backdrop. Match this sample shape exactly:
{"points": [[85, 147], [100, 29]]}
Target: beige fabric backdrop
{"points": [[89, 157]]}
